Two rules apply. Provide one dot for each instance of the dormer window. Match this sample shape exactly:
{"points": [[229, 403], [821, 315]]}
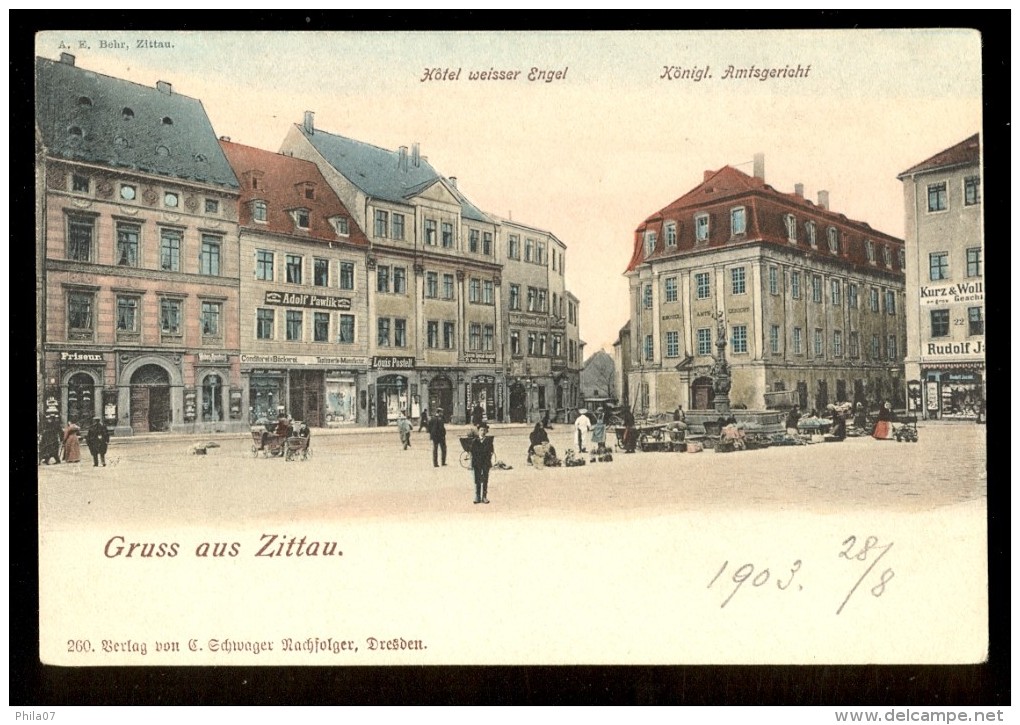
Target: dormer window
{"points": [[671, 234], [301, 218], [833, 235], [167, 121], [259, 211], [738, 221], [809, 228], [701, 227], [791, 228], [127, 114], [887, 256], [85, 102], [649, 242], [306, 189], [869, 250], [343, 226], [256, 178]]}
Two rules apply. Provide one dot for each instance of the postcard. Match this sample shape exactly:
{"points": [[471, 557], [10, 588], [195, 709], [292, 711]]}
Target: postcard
{"points": [[511, 348]]}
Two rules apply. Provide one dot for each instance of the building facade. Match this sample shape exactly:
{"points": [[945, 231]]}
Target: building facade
{"points": [[945, 360], [138, 228], [806, 300], [304, 293]]}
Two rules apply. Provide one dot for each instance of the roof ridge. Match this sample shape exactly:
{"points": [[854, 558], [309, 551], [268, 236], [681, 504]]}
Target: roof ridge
{"points": [[152, 88]]}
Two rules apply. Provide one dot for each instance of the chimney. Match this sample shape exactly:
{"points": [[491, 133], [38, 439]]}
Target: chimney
{"points": [[823, 199], [798, 189], [759, 166], [67, 58], [708, 175], [310, 123], [225, 138], [415, 154], [402, 159], [164, 87], [453, 180]]}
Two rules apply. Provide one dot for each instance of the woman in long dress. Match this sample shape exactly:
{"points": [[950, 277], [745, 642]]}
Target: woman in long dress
{"points": [[883, 428], [72, 446]]}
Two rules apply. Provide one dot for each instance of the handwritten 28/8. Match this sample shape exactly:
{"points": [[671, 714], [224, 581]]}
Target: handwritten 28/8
{"points": [[866, 552]]}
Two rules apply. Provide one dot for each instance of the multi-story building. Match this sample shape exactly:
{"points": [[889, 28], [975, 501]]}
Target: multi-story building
{"points": [[138, 227], [806, 299], [434, 297], [945, 361], [304, 293], [539, 330]]}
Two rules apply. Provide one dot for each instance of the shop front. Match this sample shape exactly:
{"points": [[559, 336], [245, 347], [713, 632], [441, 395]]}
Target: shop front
{"points": [[440, 393], [319, 390], [393, 390], [952, 393], [482, 390], [80, 394]]}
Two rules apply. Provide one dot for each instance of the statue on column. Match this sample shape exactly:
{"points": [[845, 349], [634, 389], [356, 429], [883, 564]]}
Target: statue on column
{"points": [[721, 379]]}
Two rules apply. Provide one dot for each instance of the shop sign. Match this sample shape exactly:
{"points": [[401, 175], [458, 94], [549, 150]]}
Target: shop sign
{"points": [[264, 371], [295, 299], [341, 360], [519, 318], [952, 293], [213, 357], [332, 360], [393, 362], [955, 349], [483, 379], [479, 357], [81, 357]]}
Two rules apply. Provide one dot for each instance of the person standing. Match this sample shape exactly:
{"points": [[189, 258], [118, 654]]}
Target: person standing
{"points": [[883, 427], [583, 425], [538, 437], [629, 433], [423, 424], [478, 416], [481, 461], [98, 439], [437, 432], [404, 429], [49, 446], [72, 446], [792, 418]]}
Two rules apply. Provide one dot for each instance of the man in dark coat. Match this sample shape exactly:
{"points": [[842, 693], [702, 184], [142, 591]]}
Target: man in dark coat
{"points": [[49, 446], [98, 438], [423, 423], [477, 415], [437, 432], [629, 434], [481, 461]]}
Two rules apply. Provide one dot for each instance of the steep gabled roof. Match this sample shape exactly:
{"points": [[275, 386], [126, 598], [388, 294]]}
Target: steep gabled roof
{"points": [[94, 118], [967, 152], [282, 183], [378, 171]]}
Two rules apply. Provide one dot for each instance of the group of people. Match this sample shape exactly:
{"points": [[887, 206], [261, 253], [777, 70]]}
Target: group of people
{"points": [[64, 443], [882, 430]]}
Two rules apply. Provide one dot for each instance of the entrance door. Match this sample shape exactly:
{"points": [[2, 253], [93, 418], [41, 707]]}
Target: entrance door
{"points": [[518, 403], [802, 395], [380, 407], [822, 399], [150, 399], [441, 396], [313, 411], [702, 394], [81, 399], [159, 408], [139, 409]]}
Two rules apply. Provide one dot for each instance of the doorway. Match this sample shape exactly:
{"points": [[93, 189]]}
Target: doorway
{"points": [[81, 392], [150, 400], [702, 394], [441, 396]]}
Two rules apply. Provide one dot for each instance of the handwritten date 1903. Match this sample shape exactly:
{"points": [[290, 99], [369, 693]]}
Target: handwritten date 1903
{"points": [[747, 572]]}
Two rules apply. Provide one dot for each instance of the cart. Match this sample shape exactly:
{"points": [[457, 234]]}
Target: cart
{"points": [[905, 429], [268, 444], [297, 448], [465, 457], [653, 437]]}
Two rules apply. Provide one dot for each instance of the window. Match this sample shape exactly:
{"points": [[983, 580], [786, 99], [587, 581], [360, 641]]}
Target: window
{"points": [[939, 323], [891, 347], [938, 266], [171, 200], [738, 285], [473, 240], [515, 297], [320, 272], [488, 338], [383, 336], [449, 339], [529, 249], [887, 256], [532, 298], [532, 343], [855, 344], [649, 242], [672, 344], [80, 232], [447, 235], [487, 243], [890, 301], [127, 192], [671, 289], [432, 287], [798, 341], [488, 292], [835, 292], [447, 286], [295, 321], [515, 342], [874, 299], [127, 314], [540, 253], [702, 285], [671, 234], [309, 191], [819, 343], [431, 237], [302, 218], [851, 296], [790, 221], [774, 280], [345, 331], [557, 345], [647, 296], [400, 280], [541, 343], [738, 338], [571, 313], [211, 319], [347, 275], [382, 279], [974, 262], [381, 223], [170, 316], [209, 258], [937, 200], [343, 226], [514, 247], [400, 332], [975, 321], [127, 244], [833, 235], [264, 322], [971, 190], [398, 226], [795, 285], [809, 228], [474, 336], [701, 228], [432, 334], [903, 258], [320, 329], [542, 302], [294, 264], [774, 339], [837, 343], [80, 183], [869, 250], [649, 347], [212, 206], [170, 250], [80, 311], [876, 347], [816, 288], [259, 210], [474, 290], [738, 221]]}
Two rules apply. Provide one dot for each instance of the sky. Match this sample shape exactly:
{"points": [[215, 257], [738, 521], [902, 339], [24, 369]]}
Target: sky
{"points": [[595, 151]]}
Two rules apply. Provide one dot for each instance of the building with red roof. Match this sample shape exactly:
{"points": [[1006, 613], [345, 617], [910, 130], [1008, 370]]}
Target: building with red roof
{"points": [[304, 335], [806, 299], [945, 301]]}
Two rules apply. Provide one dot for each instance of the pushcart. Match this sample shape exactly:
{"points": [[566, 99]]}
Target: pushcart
{"points": [[297, 448], [268, 444]]}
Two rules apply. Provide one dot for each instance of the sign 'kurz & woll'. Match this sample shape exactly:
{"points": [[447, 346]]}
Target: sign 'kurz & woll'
{"points": [[960, 292], [294, 299]]}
